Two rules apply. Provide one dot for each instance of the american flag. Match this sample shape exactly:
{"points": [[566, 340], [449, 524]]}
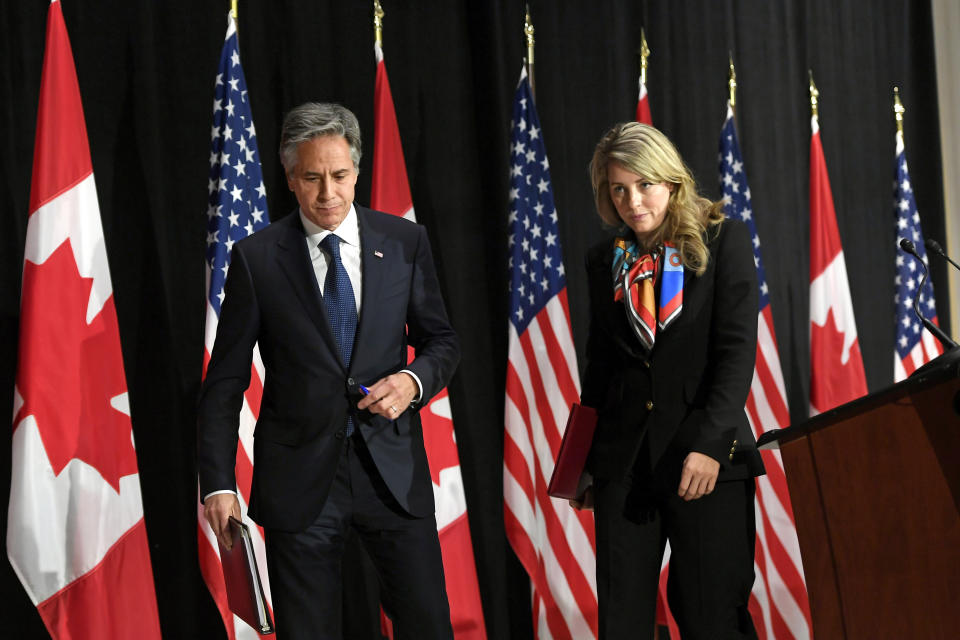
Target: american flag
{"points": [[779, 600], [914, 345], [554, 543], [236, 207]]}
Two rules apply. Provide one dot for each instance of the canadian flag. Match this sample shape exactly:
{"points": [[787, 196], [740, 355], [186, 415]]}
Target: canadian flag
{"points": [[836, 367], [76, 536], [643, 105], [390, 192]]}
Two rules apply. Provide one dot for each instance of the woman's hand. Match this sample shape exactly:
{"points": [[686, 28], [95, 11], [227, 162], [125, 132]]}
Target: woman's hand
{"points": [[585, 501], [698, 477]]}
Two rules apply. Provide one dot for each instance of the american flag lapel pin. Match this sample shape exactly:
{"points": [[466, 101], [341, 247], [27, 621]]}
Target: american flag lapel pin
{"points": [[377, 253]]}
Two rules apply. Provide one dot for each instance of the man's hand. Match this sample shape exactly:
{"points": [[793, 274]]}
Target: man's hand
{"points": [[699, 476], [390, 396], [217, 510]]}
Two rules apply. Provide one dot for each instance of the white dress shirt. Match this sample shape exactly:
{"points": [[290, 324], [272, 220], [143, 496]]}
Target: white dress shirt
{"points": [[349, 233]]}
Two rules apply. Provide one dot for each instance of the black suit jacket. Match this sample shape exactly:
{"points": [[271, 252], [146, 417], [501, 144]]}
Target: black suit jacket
{"points": [[273, 298], [688, 393]]}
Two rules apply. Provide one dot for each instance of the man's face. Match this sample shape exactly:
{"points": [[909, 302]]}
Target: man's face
{"points": [[323, 180]]}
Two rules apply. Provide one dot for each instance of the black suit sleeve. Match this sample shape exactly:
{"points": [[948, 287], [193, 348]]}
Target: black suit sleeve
{"points": [[601, 352], [228, 376], [733, 343], [429, 331]]}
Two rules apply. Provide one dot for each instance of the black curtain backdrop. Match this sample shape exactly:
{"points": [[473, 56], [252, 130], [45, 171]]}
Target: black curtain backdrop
{"points": [[146, 72]]}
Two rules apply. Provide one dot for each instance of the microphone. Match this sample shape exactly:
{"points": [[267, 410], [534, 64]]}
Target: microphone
{"points": [[944, 339], [934, 246]]}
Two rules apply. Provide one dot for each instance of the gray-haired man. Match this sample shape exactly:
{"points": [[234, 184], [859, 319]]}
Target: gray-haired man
{"points": [[333, 293]]}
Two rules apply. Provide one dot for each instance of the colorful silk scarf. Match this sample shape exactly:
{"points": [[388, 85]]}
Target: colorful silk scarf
{"points": [[634, 282]]}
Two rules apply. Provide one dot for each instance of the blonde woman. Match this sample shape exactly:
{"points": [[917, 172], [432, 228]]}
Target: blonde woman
{"points": [[673, 334]]}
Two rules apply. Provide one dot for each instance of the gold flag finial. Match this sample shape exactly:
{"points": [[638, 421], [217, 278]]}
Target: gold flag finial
{"points": [[898, 110], [528, 31], [644, 55], [377, 23], [233, 8], [814, 96], [732, 83]]}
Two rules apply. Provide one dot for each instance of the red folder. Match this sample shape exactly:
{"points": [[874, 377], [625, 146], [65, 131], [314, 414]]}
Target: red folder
{"points": [[244, 590], [577, 438]]}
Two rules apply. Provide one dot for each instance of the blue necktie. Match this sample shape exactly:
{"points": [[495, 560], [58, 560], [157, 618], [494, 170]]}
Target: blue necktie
{"points": [[340, 304]]}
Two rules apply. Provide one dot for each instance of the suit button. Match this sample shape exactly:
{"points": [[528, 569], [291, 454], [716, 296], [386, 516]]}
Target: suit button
{"points": [[649, 405], [731, 456], [646, 363], [734, 443], [351, 382], [339, 435]]}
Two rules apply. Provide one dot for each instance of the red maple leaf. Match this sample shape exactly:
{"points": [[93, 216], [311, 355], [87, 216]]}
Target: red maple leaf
{"points": [[70, 370], [438, 440], [832, 382]]}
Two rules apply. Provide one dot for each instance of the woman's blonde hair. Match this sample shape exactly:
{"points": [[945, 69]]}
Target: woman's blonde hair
{"points": [[645, 151]]}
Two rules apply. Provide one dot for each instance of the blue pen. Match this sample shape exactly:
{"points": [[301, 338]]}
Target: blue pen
{"points": [[366, 391]]}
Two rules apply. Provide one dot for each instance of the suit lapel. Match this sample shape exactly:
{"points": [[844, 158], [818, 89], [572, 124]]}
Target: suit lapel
{"points": [[374, 263], [294, 260]]}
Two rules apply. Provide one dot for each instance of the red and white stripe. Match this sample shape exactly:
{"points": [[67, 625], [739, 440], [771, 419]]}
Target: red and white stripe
{"points": [[923, 352], [555, 543], [75, 535], [208, 549], [390, 193], [779, 603], [836, 367]]}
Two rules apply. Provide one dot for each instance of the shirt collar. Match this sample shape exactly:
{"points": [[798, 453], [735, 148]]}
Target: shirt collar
{"points": [[348, 231]]}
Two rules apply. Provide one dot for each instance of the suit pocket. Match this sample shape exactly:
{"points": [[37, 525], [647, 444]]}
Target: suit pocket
{"points": [[280, 431]]}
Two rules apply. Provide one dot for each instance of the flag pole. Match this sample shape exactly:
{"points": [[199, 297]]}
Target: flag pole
{"points": [[644, 52], [378, 23], [732, 83], [814, 98], [528, 31], [898, 110], [233, 8]]}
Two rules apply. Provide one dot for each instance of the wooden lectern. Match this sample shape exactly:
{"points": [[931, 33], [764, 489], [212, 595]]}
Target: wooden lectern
{"points": [[875, 486]]}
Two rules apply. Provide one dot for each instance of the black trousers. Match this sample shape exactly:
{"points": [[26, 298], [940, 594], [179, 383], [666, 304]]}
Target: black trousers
{"points": [[711, 556], [305, 567]]}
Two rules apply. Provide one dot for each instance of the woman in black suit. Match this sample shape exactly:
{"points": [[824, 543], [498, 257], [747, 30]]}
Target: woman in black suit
{"points": [[670, 358]]}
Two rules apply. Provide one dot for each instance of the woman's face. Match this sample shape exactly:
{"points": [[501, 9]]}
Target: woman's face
{"points": [[641, 204]]}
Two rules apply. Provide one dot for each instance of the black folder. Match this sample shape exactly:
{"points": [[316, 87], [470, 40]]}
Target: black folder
{"points": [[244, 589]]}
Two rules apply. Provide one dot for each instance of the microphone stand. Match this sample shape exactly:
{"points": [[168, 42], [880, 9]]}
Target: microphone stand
{"points": [[934, 246], [944, 339]]}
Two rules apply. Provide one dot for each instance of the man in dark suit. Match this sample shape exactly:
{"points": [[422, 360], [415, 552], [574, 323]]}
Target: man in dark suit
{"points": [[332, 293]]}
